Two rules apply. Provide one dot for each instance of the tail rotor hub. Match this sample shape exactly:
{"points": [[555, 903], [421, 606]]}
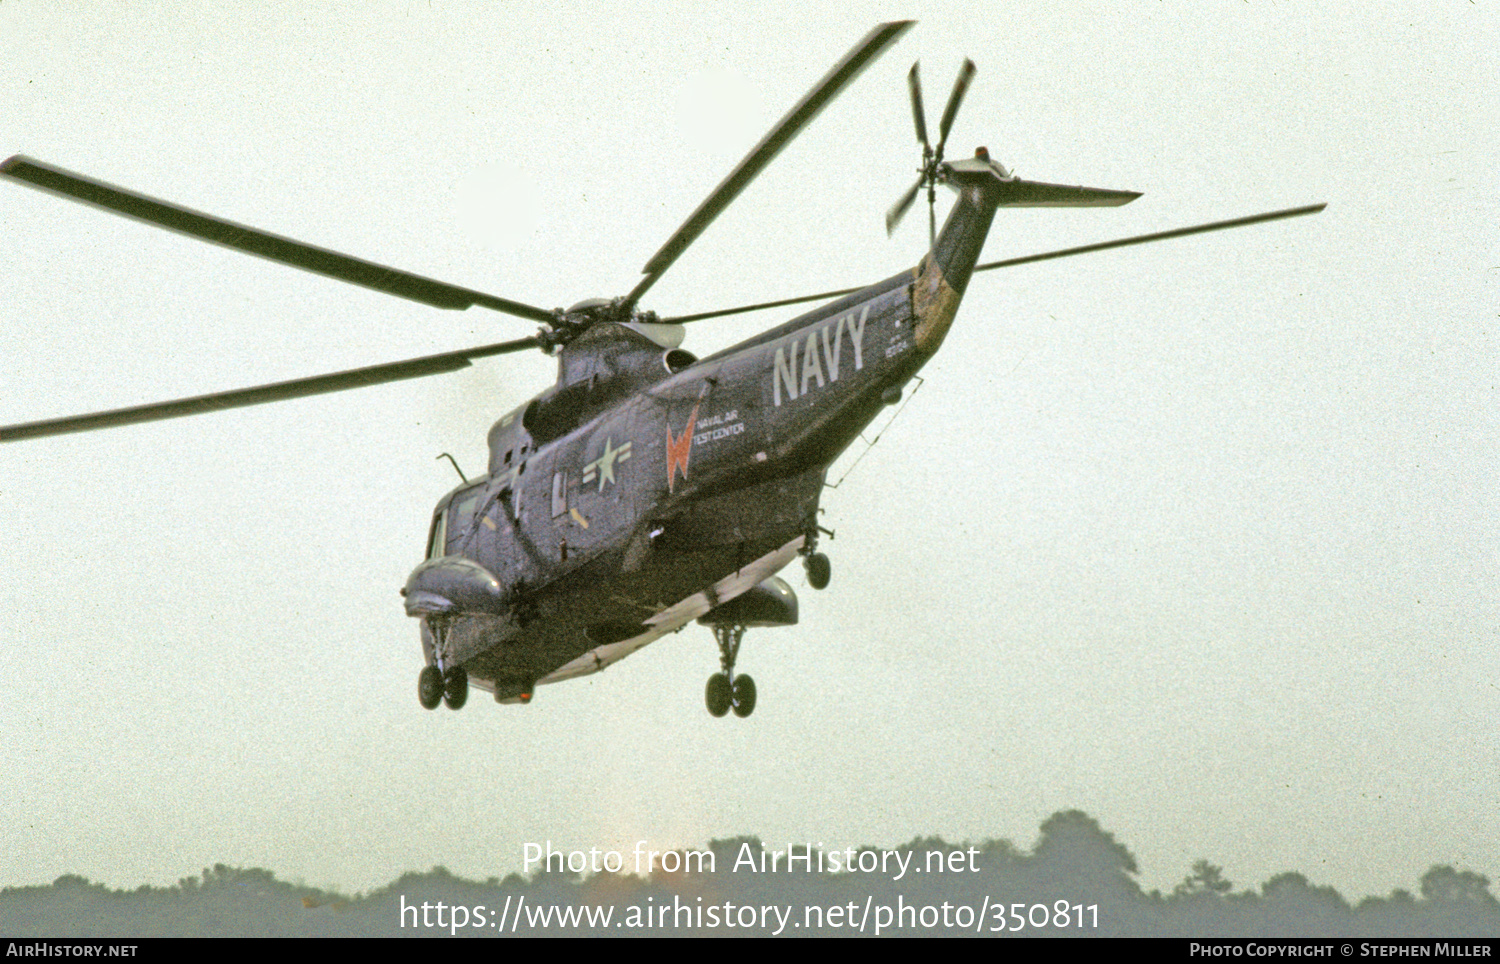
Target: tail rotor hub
{"points": [[931, 172]]}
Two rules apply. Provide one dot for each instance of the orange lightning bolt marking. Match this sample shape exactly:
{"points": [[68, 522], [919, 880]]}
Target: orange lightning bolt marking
{"points": [[679, 449]]}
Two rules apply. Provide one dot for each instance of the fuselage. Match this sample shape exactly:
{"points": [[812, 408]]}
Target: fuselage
{"points": [[669, 492]]}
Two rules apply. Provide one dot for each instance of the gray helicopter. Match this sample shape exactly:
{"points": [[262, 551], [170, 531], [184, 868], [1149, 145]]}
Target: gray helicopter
{"points": [[647, 487]]}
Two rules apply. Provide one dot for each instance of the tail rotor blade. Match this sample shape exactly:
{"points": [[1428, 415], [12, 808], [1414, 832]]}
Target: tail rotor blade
{"points": [[898, 210], [914, 85], [960, 87]]}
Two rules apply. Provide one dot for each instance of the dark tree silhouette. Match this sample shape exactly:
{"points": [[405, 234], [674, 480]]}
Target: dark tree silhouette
{"points": [[1206, 878]]}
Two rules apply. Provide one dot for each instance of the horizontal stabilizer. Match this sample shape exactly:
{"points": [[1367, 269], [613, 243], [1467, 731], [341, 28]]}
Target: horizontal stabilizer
{"points": [[1034, 194]]}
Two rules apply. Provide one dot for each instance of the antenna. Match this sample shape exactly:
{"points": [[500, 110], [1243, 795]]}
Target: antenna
{"points": [[460, 471]]}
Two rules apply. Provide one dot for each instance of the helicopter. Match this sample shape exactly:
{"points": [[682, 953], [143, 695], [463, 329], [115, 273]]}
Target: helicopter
{"points": [[647, 488]]}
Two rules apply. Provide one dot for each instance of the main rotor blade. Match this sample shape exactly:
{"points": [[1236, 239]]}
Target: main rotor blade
{"points": [[263, 244], [277, 392], [724, 312], [960, 87], [1157, 236], [1010, 262], [856, 60]]}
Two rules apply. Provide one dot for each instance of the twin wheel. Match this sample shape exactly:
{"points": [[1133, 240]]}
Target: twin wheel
{"points": [[721, 695], [436, 686], [725, 690]]}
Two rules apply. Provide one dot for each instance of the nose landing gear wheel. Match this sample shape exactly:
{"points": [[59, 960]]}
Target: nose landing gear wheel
{"points": [[744, 696], [430, 687], [718, 694], [455, 687]]}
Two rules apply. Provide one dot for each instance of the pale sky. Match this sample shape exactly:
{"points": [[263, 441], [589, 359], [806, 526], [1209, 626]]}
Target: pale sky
{"points": [[1199, 537]]}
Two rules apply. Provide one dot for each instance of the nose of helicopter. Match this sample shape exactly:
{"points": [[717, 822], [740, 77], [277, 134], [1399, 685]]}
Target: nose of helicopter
{"points": [[450, 584]]}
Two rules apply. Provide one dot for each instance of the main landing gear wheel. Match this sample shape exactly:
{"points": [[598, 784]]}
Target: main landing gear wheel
{"points": [[726, 691], [719, 694], [430, 687], [744, 696], [455, 687], [819, 570]]}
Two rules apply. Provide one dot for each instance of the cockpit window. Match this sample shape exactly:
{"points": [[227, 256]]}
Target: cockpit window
{"points": [[460, 516], [438, 537]]}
